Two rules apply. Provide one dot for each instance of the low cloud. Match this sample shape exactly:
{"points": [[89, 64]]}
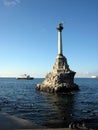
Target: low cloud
{"points": [[87, 74], [11, 2]]}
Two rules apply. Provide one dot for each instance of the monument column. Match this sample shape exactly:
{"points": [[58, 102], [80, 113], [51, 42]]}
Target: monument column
{"points": [[60, 28], [61, 78]]}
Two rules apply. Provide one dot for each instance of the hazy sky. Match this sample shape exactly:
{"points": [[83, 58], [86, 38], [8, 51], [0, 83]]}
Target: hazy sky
{"points": [[28, 36]]}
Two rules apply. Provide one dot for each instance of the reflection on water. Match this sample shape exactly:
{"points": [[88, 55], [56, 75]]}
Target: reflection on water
{"points": [[63, 110], [20, 98]]}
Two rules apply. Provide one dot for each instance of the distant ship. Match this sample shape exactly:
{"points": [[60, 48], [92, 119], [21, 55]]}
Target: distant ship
{"points": [[25, 76], [94, 76]]}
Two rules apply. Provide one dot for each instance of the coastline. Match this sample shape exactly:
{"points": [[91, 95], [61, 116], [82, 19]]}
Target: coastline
{"points": [[11, 122]]}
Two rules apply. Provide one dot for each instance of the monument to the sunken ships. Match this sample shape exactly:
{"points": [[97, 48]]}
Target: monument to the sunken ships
{"points": [[61, 79]]}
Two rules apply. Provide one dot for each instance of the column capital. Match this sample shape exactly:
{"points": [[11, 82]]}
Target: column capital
{"points": [[60, 27]]}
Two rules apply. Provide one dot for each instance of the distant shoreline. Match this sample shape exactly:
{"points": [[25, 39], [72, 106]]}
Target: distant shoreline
{"points": [[44, 77]]}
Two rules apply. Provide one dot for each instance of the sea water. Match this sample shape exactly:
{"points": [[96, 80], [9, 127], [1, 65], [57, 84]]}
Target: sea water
{"points": [[20, 98]]}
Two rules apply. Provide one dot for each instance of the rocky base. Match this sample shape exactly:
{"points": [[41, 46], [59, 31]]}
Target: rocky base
{"points": [[61, 79], [58, 83], [59, 89]]}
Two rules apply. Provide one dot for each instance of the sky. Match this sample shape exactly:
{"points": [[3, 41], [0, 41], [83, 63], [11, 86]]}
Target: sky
{"points": [[28, 36]]}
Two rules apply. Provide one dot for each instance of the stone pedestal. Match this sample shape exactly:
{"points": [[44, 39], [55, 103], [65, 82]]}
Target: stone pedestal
{"points": [[61, 79]]}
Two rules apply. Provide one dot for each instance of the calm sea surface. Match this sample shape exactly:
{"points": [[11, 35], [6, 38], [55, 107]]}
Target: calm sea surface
{"points": [[20, 98]]}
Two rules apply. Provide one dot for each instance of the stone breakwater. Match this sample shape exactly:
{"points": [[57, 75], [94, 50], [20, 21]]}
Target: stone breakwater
{"points": [[61, 79]]}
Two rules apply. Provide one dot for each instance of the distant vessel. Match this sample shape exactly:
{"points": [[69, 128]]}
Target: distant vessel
{"points": [[25, 76], [94, 76]]}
